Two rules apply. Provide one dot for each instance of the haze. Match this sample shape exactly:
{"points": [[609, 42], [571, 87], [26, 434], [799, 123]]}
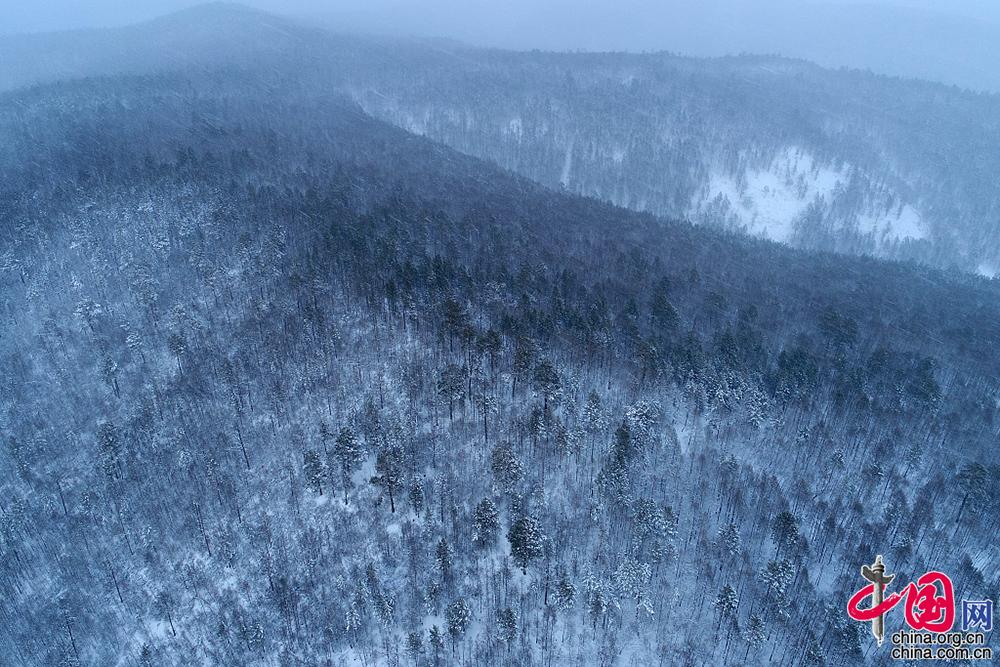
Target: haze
{"points": [[951, 42]]}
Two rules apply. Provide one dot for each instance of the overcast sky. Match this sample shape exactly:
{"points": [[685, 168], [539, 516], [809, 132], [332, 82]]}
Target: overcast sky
{"points": [[956, 41], [461, 17]]}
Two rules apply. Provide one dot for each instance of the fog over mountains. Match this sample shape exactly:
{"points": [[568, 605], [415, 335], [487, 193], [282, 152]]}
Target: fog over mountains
{"points": [[320, 348], [951, 42], [835, 160]]}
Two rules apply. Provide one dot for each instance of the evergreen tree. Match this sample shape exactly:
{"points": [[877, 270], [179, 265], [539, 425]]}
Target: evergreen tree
{"points": [[526, 541], [506, 625], [164, 604], [755, 634], [414, 646], [389, 466], [417, 498], [785, 532], [726, 602], [107, 437], [507, 469], [436, 640], [312, 468], [729, 540], [349, 454], [451, 386], [565, 592], [485, 523], [547, 382], [459, 616], [443, 558]]}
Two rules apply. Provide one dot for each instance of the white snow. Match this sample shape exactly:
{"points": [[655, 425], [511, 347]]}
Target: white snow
{"points": [[903, 223], [514, 128], [567, 165], [768, 202]]}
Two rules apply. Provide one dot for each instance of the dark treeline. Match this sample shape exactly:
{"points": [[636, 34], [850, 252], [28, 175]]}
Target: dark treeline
{"points": [[282, 384], [838, 160]]}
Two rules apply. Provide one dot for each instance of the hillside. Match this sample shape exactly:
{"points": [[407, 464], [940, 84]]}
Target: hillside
{"points": [[833, 160], [285, 384]]}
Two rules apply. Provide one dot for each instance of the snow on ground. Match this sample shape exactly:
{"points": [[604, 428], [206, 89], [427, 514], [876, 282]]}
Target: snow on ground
{"points": [[514, 128], [903, 223], [769, 201], [567, 165]]}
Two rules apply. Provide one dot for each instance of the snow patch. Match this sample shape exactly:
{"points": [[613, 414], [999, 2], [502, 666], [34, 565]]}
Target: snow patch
{"points": [[905, 223], [567, 165], [769, 201], [514, 128]]}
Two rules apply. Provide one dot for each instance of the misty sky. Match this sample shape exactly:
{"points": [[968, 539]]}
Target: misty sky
{"points": [[955, 41], [545, 22]]}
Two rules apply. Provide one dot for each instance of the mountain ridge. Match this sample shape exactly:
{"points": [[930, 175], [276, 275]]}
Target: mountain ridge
{"points": [[281, 382], [833, 159]]}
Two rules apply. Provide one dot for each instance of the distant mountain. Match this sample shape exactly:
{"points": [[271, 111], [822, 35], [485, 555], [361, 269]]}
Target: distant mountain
{"points": [[837, 160], [955, 43], [783, 149]]}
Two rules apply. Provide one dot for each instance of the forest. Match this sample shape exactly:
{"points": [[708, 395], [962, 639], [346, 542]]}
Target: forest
{"points": [[830, 159], [286, 385]]}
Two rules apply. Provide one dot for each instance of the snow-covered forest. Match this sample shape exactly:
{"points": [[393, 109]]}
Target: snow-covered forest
{"points": [[835, 160], [284, 384]]}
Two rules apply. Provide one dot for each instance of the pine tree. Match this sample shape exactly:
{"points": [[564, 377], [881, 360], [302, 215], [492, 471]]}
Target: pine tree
{"points": [[526, 541], [451, 386], [814, 653], [972, 481], [436, 640], [352, 622], [729, 540], [107, 437], [414, 646], [443, 558], [312, 468], [20, 458], [593, 419], [777, 577], [547, 382], [389, 466], [177, 347], [631, 580], [458, 616], [506, 625], [485, 523], [417, 498], [565, 592], [507, 469], [325, 435], [455, 319], [348, 453], [164, 604], [785, 532], [755, 634], [525, 353], [146, 656], [595, 598], [726, 602]]}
